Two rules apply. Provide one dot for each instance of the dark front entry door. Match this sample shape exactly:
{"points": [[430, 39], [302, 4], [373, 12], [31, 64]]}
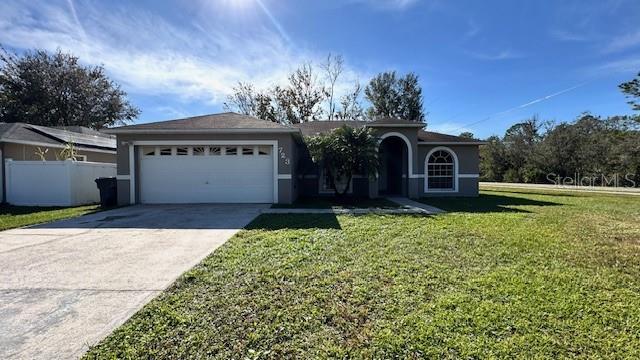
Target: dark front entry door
{"points": [[393, 155]]}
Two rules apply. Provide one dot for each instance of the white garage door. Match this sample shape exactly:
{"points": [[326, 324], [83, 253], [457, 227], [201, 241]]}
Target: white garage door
{"points": [[206, 174]]}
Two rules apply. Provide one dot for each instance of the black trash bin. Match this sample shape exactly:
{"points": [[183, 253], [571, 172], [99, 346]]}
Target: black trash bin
{"points": [[108, 191]]}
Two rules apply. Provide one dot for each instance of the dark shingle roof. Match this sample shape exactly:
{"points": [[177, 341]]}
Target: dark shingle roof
{"points": [[388, 121], [21, 132], [319, 127], [428, 136], [227, 120]]}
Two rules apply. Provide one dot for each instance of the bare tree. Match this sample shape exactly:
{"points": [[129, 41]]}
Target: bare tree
{"points": [[333, 68], [350, 106], [242, 100], [304, 94]]}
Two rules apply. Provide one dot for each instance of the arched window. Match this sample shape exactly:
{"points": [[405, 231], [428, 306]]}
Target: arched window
{"points": [[441, 171]]}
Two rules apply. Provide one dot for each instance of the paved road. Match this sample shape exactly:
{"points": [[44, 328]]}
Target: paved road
{"points": [[66, 285], [565, 188]]}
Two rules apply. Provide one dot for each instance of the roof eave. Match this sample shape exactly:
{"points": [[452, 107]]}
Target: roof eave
{"points": [[199, 131], [452, 142], [416, 125]]}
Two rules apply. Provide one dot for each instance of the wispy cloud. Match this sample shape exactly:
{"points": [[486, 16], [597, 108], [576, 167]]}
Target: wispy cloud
{"points": [[569, 36], [472, 30], [622, 43], [388, 4], [501, 55], [626, 65], [152, 56]]}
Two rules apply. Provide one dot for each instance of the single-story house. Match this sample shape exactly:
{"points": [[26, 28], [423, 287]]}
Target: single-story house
{"points": [[233, 158], [20, 142], [28, 145]]}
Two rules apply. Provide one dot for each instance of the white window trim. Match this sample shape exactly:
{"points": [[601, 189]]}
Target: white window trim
{"points": [[456, 173], [272, 143]]}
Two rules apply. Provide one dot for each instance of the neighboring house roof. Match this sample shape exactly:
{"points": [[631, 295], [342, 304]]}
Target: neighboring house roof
{"points": [[424, 137], [214, 122], [21, 133]]}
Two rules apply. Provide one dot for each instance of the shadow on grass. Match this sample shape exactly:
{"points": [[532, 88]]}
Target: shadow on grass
{"points": [[346, 202], [294, 221], [485, 203]]}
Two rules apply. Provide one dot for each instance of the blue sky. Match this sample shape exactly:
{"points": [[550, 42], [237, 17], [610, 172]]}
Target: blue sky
{"points": [[483, 65]]}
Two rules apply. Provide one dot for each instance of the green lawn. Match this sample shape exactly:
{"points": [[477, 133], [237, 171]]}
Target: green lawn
{"points": [[504, 275], [17, 216]]}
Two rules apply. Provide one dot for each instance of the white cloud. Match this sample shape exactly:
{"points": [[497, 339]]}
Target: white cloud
{"points": [[388, 4], [501, 55], [628, 65], [622, 43], [149, 55], [568, 36]]}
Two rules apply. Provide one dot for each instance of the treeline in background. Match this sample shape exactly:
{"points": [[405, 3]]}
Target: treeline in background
{"points": [[592, 150]]}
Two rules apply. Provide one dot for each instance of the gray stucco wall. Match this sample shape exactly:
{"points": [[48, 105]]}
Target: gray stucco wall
{"points": [[468, 165], [286, 155], [468, 170]]}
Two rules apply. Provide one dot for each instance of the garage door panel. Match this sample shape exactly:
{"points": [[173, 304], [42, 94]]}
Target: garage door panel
{"points": [[207, 179]]}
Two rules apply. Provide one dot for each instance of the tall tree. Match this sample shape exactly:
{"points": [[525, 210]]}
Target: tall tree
{"points": [[56, 90], [300, 100], [410, 98], [391, 96], [383, 94], [304, 95], [333, 68], [631, 89], [246, 100], [350, 107]]}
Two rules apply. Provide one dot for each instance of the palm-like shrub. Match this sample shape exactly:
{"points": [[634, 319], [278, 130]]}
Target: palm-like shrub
{"points": [[344, 152]]}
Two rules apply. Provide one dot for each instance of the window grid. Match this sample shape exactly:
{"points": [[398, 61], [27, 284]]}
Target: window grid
{"points": [[440, 171]]}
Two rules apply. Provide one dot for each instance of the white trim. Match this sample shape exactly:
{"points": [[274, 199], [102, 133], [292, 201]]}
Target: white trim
{"points": [[200, 131], [36, 143], [451, 143], [123, 177], [456, 174], [409, 148], [468, 176], [284, 176], [272, 143], [416, 176], [203, 142], [132, 178]]}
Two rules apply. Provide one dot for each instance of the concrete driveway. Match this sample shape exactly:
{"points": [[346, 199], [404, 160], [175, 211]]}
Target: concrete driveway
{"points": [[66, 285]]}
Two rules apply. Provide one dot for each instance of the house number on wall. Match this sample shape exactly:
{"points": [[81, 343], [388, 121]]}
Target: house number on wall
{"points": [[283, 155]]}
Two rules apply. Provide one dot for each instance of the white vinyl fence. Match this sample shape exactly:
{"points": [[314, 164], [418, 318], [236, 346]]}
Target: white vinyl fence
{"points": [[54, 183]]}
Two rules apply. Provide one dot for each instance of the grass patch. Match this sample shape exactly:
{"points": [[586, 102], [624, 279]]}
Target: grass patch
{"points": [[18, 216], [330, 202], [526, 275]]}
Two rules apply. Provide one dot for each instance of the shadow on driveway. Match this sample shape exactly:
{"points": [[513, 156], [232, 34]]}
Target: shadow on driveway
{"points": [[193, 216]]}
